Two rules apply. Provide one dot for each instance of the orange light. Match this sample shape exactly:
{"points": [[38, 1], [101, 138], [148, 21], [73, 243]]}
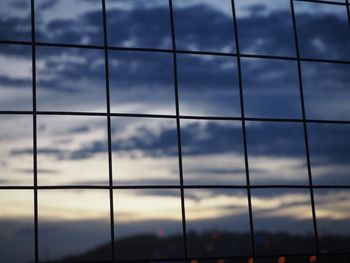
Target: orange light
{"points": [[220, 261], [251, 260], [281, 260], [194, 261], [312, 259]]}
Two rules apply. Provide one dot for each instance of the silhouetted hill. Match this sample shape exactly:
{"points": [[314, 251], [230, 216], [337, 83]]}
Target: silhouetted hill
{"points": [[218, 244]]}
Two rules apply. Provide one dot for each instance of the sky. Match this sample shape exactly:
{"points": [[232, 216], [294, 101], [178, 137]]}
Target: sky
{"points": [[73, 150]]}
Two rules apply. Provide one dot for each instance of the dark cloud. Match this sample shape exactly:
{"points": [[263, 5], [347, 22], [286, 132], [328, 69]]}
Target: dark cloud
{"points": [[140, 70], [326, 90], [44, 5], [146, 140], [207, 72], [153, 192], [217, 138], [218, 171], [324, 36], [267, 34], [137, 72], [275, 139], [201, 27], [85, 28], [15, 28], [31, 171], [329, 143], [15, 82], [79, 129], [140, 28], [150, 27], [29, 151], [65, 66], [264, 138], [88, 151]]}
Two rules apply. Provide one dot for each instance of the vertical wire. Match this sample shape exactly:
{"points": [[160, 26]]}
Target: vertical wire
{"points": [[244, 132], [178, 130], [35, 169], [296, 40], [108, 102], [348, 10], [178, 125]]}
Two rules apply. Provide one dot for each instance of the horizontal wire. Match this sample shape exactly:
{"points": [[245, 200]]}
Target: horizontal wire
{"points": [[189, 52], [131, 187], [322, 2], [62, 45], [168, 116]]}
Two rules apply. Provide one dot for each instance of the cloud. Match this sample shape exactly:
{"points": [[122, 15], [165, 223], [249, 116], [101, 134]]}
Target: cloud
{"points": [[195, 32], [199, 139], [15, 20], [323, 34], [31, 171], [79, 129], [129, 27], [63, 72]]}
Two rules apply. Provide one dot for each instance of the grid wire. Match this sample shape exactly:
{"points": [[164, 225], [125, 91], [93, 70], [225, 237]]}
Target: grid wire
{"points": [[238, 55]]}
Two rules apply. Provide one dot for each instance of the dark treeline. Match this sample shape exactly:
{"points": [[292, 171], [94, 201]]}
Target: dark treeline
{"points": [[221, 244]]}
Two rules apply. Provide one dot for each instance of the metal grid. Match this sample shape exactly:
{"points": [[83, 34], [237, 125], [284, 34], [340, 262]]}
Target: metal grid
{"points": [[174, 51]]}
